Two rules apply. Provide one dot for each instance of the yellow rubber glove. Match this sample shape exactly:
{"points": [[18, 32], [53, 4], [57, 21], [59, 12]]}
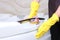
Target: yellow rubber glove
{"points": [[47, 25], [34, 9]]}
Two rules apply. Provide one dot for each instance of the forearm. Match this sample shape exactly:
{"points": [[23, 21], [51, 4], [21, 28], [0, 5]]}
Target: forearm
{"points": [[58, 11], [34, 8], [36, 0]]}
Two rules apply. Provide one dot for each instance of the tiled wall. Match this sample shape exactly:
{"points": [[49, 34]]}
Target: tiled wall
{"points": [[20, 7]]}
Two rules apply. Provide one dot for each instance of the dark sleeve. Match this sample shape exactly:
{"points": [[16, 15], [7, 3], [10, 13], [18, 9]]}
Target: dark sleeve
{"points": [[52, 6]]}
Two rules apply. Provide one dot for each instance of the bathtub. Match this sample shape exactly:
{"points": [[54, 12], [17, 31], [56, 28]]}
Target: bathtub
{"points": [[16, 31]]}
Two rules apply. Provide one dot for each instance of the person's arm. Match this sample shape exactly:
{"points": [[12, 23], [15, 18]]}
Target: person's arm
{"points": [[58, 11], [34, 8], [36, 0], [47, 24]]}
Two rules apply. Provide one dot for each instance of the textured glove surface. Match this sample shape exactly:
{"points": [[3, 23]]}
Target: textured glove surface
{"points": [[34, 9], [47, 25]]}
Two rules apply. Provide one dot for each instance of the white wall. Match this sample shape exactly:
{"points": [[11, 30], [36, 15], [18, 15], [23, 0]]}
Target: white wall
{"points": [[20, 7]]}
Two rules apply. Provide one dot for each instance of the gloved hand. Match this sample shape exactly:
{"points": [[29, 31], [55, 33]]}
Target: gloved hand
{"points": [[34, 8], [35, 21], [46, 25]]}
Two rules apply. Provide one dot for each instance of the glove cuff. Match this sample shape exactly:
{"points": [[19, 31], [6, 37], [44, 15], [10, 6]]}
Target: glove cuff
{"points": [[34, 6], [55, 17]]}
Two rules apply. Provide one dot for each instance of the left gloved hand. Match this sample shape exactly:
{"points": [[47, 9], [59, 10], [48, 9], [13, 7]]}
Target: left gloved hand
{"points": [[34, 8]]}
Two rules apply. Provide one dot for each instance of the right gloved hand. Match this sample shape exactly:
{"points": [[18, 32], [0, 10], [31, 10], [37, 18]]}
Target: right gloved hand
{"points": [[47, 25]]}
